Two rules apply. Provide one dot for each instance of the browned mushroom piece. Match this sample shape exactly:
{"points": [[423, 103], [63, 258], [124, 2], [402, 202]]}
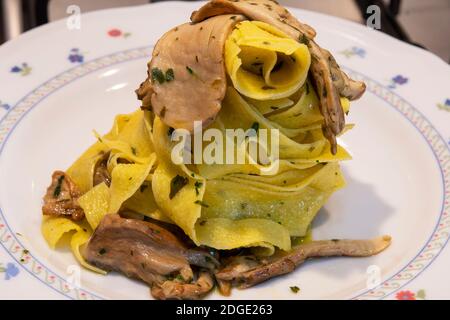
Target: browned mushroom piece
{"points": [[347, 87], [247, 271], [61, 198], [101, 173], [186, 76], [148, 252]]}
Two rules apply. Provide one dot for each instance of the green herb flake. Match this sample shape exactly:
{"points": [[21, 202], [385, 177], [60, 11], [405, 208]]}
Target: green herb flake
{"points": [[170, 75], [102, 251], [197, 186], [57, 191], [134, 151], [158, 75], [201, 203], [177, 183], [190, 70], [179, 277], [295, 289], [255, 126]]}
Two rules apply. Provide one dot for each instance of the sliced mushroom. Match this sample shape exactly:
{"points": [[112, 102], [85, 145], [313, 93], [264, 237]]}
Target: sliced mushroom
{"points": [[148, 252], [247, 271], [61, 198], [186, 76], [268, 11]]}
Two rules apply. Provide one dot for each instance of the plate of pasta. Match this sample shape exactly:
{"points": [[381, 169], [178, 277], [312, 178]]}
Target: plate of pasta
{"points": [[233, 149]]}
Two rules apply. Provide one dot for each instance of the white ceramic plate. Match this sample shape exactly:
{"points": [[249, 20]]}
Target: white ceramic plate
{"points": [[57, 85]]}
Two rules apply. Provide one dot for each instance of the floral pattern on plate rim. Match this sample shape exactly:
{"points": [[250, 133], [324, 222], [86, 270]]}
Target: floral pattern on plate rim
{"points": [[4, 106], [354, 52], [75, 56], [23, 69], [10, 270], [398, 80], [118, 33], [410, 295], [425, 257], [444, 106]]}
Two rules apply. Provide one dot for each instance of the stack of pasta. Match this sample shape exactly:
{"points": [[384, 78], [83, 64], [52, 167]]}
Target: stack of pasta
{"points": [[222, 206]]}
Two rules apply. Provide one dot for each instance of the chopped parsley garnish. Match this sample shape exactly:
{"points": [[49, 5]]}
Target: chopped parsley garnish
{"points": [[177, 183], [295, 289], [134, 151], [197, 186], [199, 202], [102, 251], [179, 277], [158, 75], [189, 70], [57, 191], [170, 75]]}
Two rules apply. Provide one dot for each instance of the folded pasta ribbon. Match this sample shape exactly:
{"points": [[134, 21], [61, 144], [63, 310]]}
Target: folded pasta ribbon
{"points": [[264, 63]]}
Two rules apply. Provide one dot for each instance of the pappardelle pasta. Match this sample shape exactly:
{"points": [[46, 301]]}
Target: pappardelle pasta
{"points": [[128, 206]]}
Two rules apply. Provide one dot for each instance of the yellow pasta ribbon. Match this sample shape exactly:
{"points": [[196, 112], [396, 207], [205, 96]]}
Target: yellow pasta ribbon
{"points": [[264, 63]]}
